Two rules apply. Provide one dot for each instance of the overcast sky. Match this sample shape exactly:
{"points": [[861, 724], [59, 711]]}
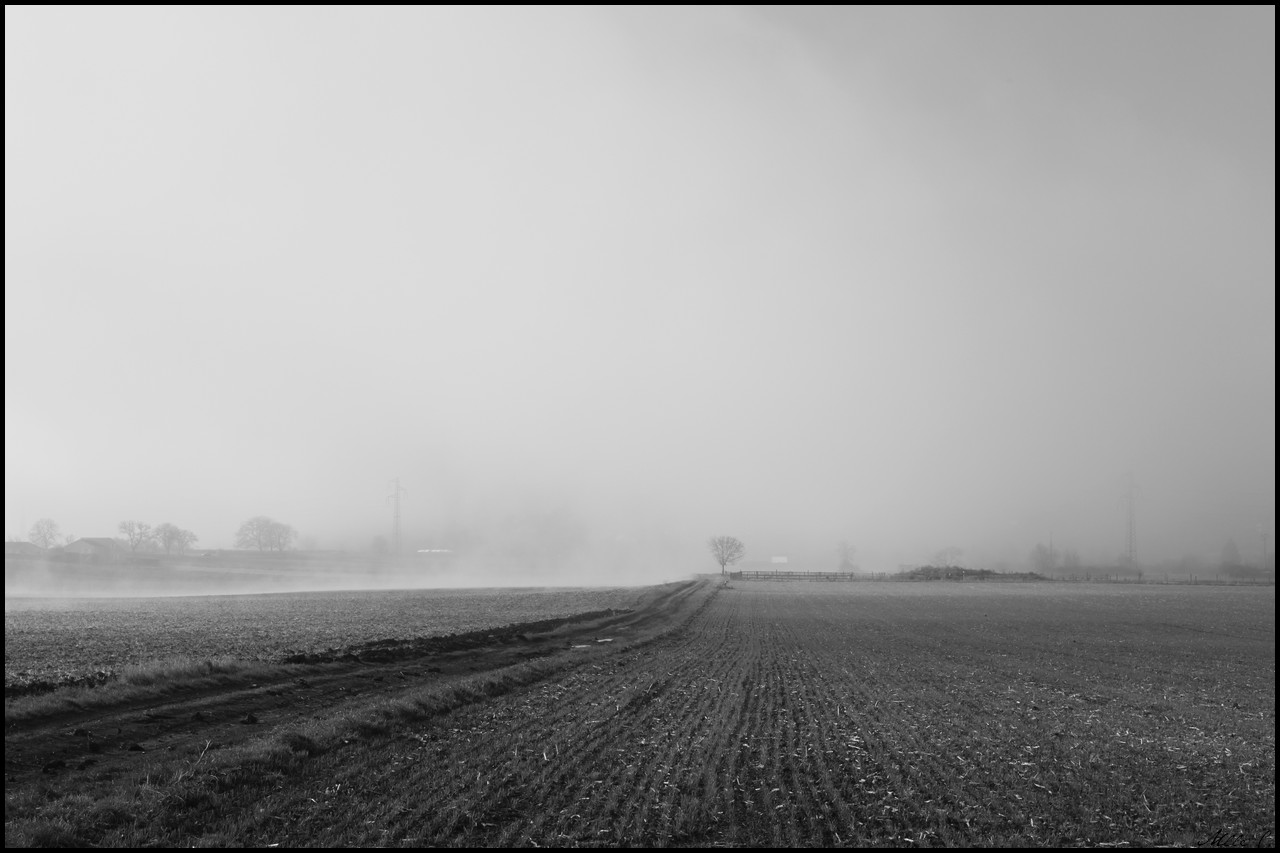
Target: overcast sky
{"points": [[625, 278]]}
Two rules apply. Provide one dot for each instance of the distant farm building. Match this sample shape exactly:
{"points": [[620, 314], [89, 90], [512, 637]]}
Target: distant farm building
{"points": [[96, 548], [23, 549]]}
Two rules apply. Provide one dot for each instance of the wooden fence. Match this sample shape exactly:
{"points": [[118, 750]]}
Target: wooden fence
{"points": [[795, 576]]}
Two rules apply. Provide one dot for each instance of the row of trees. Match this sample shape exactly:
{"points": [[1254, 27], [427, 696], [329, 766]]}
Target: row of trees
{"points": [[260, 532], [141, 536]]}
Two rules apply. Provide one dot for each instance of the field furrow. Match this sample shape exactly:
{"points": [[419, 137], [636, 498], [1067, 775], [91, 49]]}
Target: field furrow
{"points": [[833, 715]]}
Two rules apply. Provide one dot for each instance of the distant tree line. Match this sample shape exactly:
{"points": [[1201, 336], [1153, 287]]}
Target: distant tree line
{"points": [[138, 535], [260, 532]]}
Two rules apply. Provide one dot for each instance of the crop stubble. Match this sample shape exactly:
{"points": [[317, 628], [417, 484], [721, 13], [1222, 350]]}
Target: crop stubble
{"points": [[52, 641], [863, 714]]}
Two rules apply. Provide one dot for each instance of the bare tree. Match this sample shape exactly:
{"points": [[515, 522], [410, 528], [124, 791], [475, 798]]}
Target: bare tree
{"points": [[44, 533], [282, 536], [138, 533], [168, 535], [726, 550], [254, 533], [173, 538], [265, 534]]}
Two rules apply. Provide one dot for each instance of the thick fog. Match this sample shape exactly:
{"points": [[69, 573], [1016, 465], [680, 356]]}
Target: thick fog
{"points": [[594, 285]]}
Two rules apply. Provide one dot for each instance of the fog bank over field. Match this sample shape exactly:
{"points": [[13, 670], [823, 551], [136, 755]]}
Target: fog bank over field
{"points": [[34, 582], [577, 289]]}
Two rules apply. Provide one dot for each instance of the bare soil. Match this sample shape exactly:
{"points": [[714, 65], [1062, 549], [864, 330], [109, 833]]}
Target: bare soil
{"points": [[116, 739]]}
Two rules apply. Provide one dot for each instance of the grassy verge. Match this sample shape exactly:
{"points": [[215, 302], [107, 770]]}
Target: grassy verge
{"points": [[149, 682]]}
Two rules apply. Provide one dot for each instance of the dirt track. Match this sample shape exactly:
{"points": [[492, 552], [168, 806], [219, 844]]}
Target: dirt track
{"points": [[314, 686]]}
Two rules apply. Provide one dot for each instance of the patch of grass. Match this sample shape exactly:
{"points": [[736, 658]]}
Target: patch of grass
{"points": [[145, 682], [182, 669], [44, 832]]}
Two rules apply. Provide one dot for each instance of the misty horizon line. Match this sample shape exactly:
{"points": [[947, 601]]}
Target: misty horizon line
{"points": [[1047, 560]]}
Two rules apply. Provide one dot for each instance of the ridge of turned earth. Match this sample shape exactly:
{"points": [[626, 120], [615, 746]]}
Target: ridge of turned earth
{"points": [[309, 686]]}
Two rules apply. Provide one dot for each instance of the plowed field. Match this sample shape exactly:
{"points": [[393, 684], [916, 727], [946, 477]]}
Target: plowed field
{"points": [[872, 714]]}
